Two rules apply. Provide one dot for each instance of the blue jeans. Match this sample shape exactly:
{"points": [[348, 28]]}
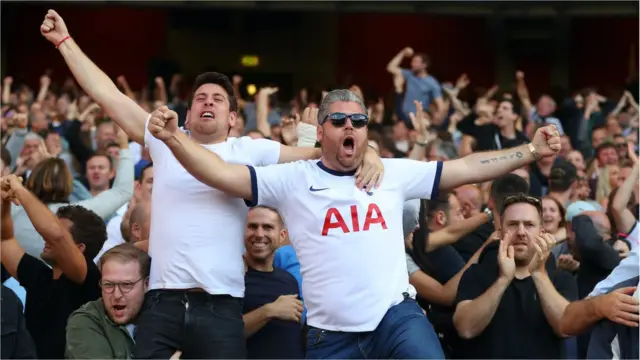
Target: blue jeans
{"points": [[403, 333]]}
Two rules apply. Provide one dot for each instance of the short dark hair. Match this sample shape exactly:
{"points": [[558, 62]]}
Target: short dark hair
{"points": [[219, 79], [102, 154], [441, 203], [506, 185], [274, 210], [520, 198], [5, 156], [88, 228], [563, 174], [425, 58], [141, 175], [605, 145], [515, 107]]}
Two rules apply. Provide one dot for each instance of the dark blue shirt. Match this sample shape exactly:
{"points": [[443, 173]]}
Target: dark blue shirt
{"points": [[278, 339]]}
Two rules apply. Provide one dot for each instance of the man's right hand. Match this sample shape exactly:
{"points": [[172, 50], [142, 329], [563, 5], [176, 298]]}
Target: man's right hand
{"points": [[287, 308], [408, 52], [506, 258], [163, 123], [53, 27], [620, 306]]}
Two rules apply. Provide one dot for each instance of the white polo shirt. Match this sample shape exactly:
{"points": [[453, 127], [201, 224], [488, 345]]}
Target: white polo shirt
{"points": [[349, 243], [196, 231]]}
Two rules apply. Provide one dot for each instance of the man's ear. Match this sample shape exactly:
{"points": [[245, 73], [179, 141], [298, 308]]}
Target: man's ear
{"points": [[320, 131], [233, 117]]}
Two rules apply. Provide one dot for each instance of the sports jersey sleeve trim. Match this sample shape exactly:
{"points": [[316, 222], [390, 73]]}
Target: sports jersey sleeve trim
{"points": [[254, 188], [436, 181]]}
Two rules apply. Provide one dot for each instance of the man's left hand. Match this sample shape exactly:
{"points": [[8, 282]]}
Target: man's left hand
{"points": [[546, 140], [542, 243], [371, 171]]}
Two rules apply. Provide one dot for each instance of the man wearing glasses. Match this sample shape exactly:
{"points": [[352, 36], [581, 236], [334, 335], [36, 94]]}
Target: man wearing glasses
{"points": [[349, 240], [104, 328]]}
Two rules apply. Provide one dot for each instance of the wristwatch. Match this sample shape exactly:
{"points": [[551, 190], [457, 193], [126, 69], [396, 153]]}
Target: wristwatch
{"points": [[534, 152], [489, 212]]}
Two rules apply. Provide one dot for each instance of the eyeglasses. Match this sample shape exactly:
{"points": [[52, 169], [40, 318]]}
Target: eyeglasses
{"points": [[340, 119], [109, 287]]}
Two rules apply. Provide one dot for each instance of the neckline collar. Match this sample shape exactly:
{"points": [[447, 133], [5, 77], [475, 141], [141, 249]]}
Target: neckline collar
{"points": [[335, 172]]}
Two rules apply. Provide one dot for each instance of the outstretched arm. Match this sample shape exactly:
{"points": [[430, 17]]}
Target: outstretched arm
{"points": [[204, 165], [485, 166], [124, 111]]}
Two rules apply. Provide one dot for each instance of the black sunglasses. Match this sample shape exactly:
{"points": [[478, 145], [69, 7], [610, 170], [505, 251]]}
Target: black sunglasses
{"points": [[339, 119]]}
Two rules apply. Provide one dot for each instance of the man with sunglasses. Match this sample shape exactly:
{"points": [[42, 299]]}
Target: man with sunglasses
{"points": [[349, 240], [103, 329], [499, 306]]}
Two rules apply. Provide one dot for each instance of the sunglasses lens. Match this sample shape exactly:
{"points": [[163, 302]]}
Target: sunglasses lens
{"points": [[359, 120], [338, 119]]}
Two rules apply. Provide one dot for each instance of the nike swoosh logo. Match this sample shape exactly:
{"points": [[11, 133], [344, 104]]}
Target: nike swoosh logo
{"points": [[314, 190]]}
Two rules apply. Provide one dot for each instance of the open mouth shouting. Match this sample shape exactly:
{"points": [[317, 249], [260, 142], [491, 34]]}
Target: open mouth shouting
{"points": [[349, 145], [207, 115]]}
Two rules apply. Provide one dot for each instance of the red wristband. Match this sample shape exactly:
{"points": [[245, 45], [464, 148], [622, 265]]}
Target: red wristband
{"points": [[63, 40]]}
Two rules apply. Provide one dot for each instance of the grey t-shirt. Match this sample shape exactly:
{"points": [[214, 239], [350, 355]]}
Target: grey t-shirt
{"points": [[412, 267]]}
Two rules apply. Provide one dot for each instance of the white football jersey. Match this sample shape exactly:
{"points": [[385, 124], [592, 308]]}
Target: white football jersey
{"points": [[196, 232], [349, 242]]}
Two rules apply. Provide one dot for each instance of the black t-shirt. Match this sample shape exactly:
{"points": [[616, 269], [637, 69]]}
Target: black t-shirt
{"points": [[469, 244], [519, 328], [50, 302], [16, 341], [278, 339], [488, 136]]}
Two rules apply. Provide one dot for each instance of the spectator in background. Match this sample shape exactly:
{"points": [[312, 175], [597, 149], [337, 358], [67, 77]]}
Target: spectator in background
{"points": [[420, 85], [563, 182], [489, 307], [16, 340], [51, 183], [553, 215], [100, 171], [73, 239], [104, 328], [272, 307]]}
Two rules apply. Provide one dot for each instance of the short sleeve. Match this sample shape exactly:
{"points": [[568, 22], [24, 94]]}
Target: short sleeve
{"points": [[627, 269], [33, 272], [436, 90], [474, 282], [418, 179], [269, 184], [91, 285], [263, 152], [406, 73], [412, 267]]}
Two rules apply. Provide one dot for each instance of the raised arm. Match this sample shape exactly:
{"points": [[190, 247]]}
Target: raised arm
{"points": [[454, 232], [485, 166], [394, 65], [123, 110], [11, 251], [621, 214], [204, 165], [68, 256]]}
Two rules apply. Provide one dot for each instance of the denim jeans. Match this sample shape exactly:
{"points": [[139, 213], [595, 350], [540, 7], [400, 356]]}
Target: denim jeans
{"points": [[201, 325], [403, 333]]}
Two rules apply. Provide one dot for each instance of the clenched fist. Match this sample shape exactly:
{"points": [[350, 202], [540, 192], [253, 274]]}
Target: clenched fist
{"points": [[546, 140], [53, 27], [163, 123]]}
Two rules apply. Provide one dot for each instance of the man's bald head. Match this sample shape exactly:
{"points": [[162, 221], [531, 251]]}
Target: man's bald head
{"points": [[470, 198], [600, 222], [139, 222]]}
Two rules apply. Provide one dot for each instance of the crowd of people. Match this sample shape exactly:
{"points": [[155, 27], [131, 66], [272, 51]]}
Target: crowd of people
{"points": [[151, 224]]}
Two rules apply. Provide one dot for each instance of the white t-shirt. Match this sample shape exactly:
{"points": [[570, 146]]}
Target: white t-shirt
{"points": [[349, 243], [196, 231]]}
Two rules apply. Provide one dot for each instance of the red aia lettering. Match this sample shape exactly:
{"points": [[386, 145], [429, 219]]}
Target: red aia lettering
{"points": [[334, 220]]}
